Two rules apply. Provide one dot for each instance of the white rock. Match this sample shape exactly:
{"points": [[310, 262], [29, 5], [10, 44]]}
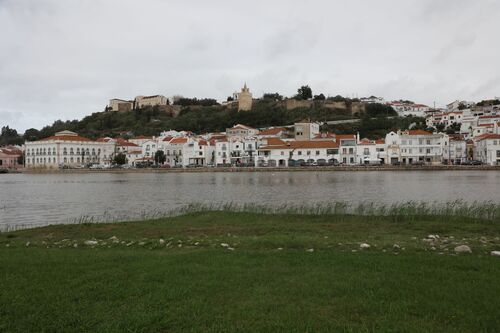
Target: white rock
{"points": [[364, 246], [142, 243], [114, 239], [162, 241], [197, 243], [90, 242], [396, 247], [230, 248], [495, 253], [432, 236], [224, 244], [28, 244], [279, 249], [310, 250], [131, 243], [462, 249], [75, 245]]}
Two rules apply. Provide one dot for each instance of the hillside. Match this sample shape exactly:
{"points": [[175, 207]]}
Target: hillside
{"points": [[374, 122]]}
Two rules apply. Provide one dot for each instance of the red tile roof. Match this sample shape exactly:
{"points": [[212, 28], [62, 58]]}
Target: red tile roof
{"points": [[178, 140], [418, 132], [125, 143], [487, 136]]}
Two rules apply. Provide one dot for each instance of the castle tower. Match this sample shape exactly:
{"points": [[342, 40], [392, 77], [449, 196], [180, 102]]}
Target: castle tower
{"points": [[245, 99]]}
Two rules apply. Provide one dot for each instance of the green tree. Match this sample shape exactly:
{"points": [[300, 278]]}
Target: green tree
{"points": [[160, 157], [319, 97], [304, 93], [120, 159]]}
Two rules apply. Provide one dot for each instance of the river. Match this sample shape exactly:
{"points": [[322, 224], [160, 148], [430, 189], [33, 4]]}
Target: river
{"points": [[39, 199]]}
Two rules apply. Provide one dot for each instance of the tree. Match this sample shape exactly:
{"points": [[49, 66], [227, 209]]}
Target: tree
{"points": [[304, 93], [319, 97], [273, 96], [229, 99], [120, 159], [160, 157], [440, 127]]}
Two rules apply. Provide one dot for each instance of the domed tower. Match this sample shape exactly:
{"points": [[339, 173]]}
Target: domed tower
{"points": [[245, 99]]}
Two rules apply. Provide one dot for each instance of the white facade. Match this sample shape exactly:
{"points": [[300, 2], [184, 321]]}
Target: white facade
{"points": [[487, 149], [415, 146], [67, 149], [187, 152]]}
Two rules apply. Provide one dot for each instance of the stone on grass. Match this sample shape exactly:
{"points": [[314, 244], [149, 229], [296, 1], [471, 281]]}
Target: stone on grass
{"points": [[224, 244], [310, 250], [463, 249], [230, 248], [162, 241], [90, 242], [114, 239], [364, 246], [495, 253], [396, 247], [28, 244], [75, 245], [197, 243]]}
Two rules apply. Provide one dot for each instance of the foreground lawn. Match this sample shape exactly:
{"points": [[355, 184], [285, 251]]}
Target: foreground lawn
{"points": [[241, 272]]}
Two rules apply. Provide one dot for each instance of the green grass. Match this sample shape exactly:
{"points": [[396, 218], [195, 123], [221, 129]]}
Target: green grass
{"points": [[173, 275]]}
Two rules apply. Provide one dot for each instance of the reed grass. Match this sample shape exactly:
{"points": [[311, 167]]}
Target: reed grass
{"points": [[402, 211]]}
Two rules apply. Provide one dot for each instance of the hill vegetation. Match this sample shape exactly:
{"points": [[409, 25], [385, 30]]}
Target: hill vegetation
{"points": [[202, 118]]}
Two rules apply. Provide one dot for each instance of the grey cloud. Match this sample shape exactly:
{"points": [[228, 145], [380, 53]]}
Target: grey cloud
{"points": [[65, 59]]}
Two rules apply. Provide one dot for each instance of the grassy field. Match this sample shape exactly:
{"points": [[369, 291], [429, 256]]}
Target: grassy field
{"points": [[249, 272]]}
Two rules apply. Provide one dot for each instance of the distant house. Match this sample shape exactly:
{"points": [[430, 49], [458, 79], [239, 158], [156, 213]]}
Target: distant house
{"points": [[142, 101], [487, 148], [9, 158], [306, 130], [241, 131], [120, 105], [416, 146], [67, 148]]}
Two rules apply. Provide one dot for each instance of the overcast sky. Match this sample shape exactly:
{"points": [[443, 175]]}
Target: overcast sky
{"points": [[64, 59]]}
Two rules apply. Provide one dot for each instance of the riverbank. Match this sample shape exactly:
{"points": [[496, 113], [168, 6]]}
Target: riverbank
{"points": [[250, 272], [271, 169]]}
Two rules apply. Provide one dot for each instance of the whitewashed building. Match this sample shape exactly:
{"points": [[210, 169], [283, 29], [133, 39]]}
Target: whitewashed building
{"points": [[487, 148], [67, 148], [415, 146]]}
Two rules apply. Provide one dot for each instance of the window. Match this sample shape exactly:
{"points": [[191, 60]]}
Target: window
{"points": [[428, 142], [71, 151], [351, 150], [299, 152], [282, 153], [308, 152], [332, 151], [65, 152], [428, 151], [317, 152], [366, 151]]}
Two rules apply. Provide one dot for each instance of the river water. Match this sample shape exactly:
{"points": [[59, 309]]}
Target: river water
{"points": [[39, 199]]}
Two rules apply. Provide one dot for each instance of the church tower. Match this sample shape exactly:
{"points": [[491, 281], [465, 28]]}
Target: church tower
{"points": [[245, 99]]}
